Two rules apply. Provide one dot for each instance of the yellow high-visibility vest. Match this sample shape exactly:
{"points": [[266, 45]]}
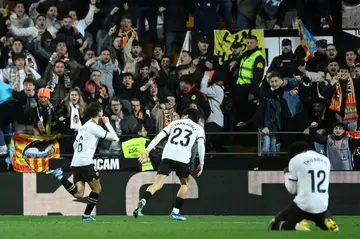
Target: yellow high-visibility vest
{"points": [[246, 68], [133, 148]]}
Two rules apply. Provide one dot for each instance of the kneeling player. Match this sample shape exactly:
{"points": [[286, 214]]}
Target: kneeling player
{"points": [[182, 135], [308, 175], [82, 164]]}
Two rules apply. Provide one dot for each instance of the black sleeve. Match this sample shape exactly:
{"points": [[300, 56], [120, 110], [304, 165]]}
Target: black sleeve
{"points": [[353, 143], [317, 138], [328, 91], [258, 73], [273, 65]]}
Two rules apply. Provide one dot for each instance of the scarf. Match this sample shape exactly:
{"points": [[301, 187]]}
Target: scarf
{"points": [[350, 104], [51, 85], [16, 78], [29, 59], [75, 122], [45, 127], [169, 116]]}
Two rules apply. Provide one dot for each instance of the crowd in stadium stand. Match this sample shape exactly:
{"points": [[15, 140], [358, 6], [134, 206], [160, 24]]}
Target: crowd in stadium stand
{"points": [[57, 56]]}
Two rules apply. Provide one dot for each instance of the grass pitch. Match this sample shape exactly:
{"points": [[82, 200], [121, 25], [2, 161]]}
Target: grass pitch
{"points": [[160, 227]]}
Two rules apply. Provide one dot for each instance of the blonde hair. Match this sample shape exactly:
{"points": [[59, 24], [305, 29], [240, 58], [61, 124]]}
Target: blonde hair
{"points": [[81, 102]]}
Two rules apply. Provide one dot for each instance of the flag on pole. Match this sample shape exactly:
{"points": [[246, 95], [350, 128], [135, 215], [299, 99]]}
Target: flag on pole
{"points": [[308, 41]]}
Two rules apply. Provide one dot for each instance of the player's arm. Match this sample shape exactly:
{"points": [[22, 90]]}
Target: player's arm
{"points": [[103, 134], [156, 140], [201, 151], [290, 177]]}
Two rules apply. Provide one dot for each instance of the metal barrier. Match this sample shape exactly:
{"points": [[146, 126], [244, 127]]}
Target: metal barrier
{"points": [[259, 143]]}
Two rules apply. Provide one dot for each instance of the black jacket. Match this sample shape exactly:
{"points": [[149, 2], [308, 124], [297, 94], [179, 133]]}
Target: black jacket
{"points": [[194, 95]]}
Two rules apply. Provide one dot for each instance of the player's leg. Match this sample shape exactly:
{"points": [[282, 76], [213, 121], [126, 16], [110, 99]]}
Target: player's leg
{"points": [[93, 179], [164, 170], [150, 191], [76, 189], [181, 196], [325, 221], [289, 219]]}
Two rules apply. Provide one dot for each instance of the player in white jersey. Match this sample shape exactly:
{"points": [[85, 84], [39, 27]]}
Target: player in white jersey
{"points": [[82, 164], [182, 135], [308, 177]]}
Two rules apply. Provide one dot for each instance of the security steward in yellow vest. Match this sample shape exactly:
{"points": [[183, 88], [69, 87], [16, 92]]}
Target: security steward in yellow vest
{"points": [[251, 72], [133, 148]]}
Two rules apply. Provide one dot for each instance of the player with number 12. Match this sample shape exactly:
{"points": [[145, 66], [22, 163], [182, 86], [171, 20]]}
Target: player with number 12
{"points": [[182, 135], [82, 164]]}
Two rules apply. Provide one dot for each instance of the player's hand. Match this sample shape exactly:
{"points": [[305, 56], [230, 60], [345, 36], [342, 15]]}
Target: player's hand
{"points": [[144, 156], [105, 119], [314, 125], [200, 169]]}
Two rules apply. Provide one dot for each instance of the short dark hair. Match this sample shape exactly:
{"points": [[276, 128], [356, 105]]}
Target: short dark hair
{"points": [[298, 147], [19, 40], [192, 114], [115, 98], [137, 128], [275, 74], [127, 74], [158, 46], [93, 109], [125, 17], [29, 80], [105, 49], [17, 56], [66, 16], [59, 61], [252, 37]]}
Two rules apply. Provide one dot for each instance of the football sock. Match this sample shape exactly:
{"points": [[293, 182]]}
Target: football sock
{"points": [[287, 226], [147, 195], [178, 204], [69, 186], [92, 201]]}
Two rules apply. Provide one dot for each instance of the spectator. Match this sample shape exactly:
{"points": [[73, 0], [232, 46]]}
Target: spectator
{"points": [[115, 45], [32, 32], [141, 116], [51, 15], [247, 13], [95, 93], [126, 87], [106, 67], [26, 115], [16, 75], [350, 60], [58, 81], [45, 113], [132, 53], [123, 122], [211, 86], [148, 10], [268, 114], [68, 34], [164, 112], [205, 16], [332, 52], [175, 16], [19, 18], [341, 91], [150, 97], [166, 65], [338, 146], [17, 46], [320, 59], [70, 115], [82, 24], [190, 94]]}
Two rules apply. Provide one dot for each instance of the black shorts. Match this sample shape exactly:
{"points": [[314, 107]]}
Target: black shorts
{"points": [[294, 214], [85, 173], [166, 166]]}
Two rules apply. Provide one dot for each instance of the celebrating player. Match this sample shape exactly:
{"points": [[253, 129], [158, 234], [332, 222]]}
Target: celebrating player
{"points": [[82, 164], [308, 176], [182, 134]]}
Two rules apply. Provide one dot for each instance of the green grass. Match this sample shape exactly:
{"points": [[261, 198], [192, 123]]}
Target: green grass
{"points": [[160, 227]]}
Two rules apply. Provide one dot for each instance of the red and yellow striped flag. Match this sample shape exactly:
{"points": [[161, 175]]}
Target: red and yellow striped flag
{"points": [[32, 153]]}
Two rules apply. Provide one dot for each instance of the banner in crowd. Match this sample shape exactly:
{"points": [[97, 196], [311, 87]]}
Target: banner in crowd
{"points": [[32, 153], [223, 40]]}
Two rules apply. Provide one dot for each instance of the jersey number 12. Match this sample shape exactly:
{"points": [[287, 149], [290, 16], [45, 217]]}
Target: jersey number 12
{"points": [[319, 179]]}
